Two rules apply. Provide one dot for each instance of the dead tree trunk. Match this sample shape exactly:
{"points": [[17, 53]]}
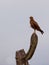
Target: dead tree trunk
{"points": [[19, 55], [22, 57]]}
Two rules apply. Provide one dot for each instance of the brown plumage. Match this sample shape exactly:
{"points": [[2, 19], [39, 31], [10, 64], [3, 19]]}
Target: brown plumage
{"points": [[35, 25]]}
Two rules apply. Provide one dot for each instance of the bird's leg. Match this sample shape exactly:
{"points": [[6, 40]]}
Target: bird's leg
{"points": [[34, 31]]}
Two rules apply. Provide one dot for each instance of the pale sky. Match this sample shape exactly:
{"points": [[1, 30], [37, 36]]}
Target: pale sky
{"points": [[15, 30]]}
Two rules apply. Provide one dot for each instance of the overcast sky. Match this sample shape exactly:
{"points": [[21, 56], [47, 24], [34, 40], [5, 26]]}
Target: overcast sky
{"points": [[15, 30]]}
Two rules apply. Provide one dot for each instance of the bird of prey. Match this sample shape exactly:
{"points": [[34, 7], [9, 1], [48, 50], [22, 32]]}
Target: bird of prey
{"points": [[35, 25]]}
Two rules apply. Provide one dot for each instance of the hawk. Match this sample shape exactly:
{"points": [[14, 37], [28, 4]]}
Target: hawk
{"points": [[35, 25]]}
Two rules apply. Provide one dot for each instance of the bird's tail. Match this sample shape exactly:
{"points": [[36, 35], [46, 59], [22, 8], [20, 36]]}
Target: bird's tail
{"points": [[41, 31]]}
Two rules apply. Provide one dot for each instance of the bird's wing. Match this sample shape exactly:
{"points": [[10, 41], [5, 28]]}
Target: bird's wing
{"points": [[36, 25]]}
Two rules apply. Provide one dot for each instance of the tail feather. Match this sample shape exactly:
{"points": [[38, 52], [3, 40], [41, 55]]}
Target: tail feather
{"points": [[41, 31]]}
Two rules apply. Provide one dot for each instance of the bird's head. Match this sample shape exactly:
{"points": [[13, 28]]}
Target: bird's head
{"points": [[31, 17]]}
